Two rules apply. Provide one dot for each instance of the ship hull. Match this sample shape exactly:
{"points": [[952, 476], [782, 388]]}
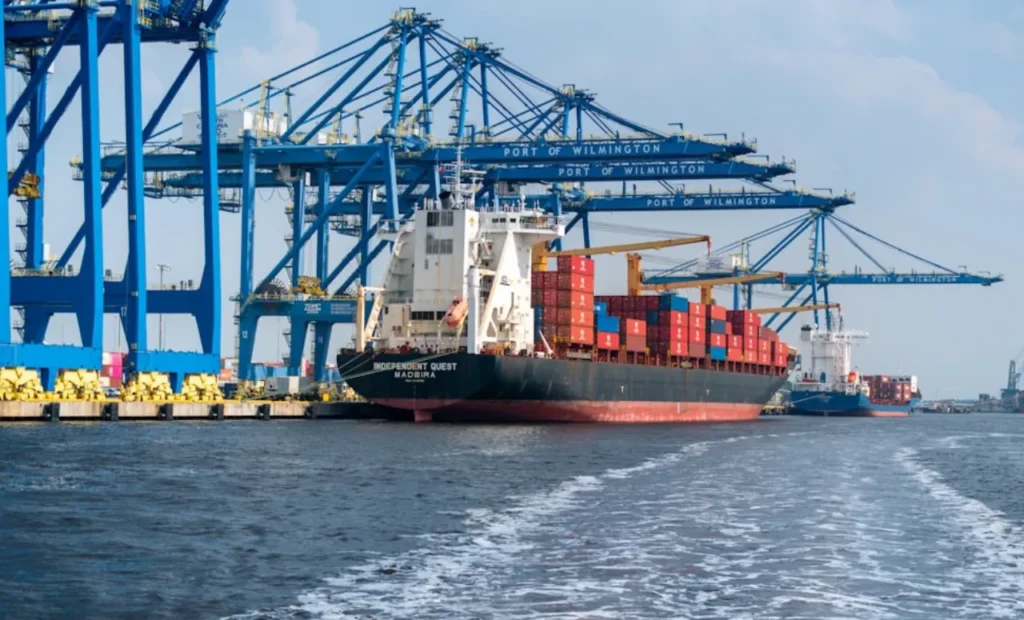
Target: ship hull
{"points": [[838, 404], [460, 387]]}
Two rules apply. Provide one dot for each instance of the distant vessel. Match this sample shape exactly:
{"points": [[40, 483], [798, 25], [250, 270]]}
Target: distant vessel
{"points": [[831, 388], [463, 330]]}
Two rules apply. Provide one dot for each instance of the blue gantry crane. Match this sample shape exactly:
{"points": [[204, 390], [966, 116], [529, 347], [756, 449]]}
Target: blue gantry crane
{"points": [[303, 130], [812, 286], [522, 131], [35, 34]]}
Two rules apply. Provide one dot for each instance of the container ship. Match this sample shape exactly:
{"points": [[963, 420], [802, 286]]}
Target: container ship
{"points": [[466, 327], [831, 388]]}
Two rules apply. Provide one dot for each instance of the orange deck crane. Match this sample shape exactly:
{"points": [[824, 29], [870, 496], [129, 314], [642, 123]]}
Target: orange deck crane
{"points": [[541, 254]]}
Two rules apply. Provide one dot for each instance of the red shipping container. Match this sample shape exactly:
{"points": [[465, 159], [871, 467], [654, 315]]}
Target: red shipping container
{"points": [[780, 361], [614, 305], [697, 310], [678, 348], [675, 334], [717, 313], [672, 317], [697, 336], [698, 350], [764, 346], [575, 282], [608, 341], [697, 321], [736, 342], [575, 299], [764, 359], [575, 334], [717, 340], [652, 302], [734, 355], [576, 264], [750, 344], [549, 299], [728, 329], [635, 343], [634, 327], [750, 357], [575, 316]]}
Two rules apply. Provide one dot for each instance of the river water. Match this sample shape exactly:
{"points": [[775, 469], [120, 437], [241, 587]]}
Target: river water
{"points": [[781, 518]]}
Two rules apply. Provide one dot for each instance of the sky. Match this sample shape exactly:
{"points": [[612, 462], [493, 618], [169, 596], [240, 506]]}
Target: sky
{"points": [[909, 104]]}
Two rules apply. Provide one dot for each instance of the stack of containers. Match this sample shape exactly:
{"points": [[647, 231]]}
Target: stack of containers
{"points": [[718, 337], [668, 326], [698, 330], [746, 324], [544, 297], [766, 339], [575, 301], [111, 369], [634, 335], [606, 328]]}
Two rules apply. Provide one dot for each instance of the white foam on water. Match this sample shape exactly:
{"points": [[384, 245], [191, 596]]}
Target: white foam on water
{"points": [[455, 575], [997, 565]]}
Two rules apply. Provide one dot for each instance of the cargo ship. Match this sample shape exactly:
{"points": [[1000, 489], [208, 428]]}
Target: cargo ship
{"points": [[467, 328], [831, 388]]}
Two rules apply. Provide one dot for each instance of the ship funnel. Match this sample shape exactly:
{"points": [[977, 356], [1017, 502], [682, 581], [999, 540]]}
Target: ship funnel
{"points": [[447, 200]]}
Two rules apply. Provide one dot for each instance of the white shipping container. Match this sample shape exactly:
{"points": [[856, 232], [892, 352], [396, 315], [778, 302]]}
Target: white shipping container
{"points": [[106, 358]]}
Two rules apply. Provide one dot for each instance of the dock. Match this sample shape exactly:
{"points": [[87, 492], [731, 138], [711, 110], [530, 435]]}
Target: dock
{"points": [[113, 411]]}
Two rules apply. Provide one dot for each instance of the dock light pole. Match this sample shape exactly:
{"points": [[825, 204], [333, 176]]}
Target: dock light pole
{"points": [[162, 267]]}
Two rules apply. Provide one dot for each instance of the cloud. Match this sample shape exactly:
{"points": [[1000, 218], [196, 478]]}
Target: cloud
{"points": [[292, 41]]}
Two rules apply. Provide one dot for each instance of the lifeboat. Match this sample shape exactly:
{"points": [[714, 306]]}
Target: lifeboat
{"points": [[456, 312]]}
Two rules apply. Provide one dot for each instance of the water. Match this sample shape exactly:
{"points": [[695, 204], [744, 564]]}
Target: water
{"points": [[783, 518]]}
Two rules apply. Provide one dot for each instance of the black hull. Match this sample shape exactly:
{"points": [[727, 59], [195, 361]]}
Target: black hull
{"points": [[463, 387]]}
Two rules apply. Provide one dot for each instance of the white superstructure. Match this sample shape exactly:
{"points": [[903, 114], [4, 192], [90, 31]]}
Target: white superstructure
{"points": [[459, 276], [830, 366]]}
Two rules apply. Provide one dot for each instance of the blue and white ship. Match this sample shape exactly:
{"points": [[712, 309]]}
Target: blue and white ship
{"points": [[830, 387]]}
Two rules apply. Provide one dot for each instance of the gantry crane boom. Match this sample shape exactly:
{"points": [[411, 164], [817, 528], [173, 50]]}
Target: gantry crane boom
{"points": [[705, 286], [787, 309], [541, 254]]}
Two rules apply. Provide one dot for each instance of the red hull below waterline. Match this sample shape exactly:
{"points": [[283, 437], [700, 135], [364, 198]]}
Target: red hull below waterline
{"points": [[622, 412]]}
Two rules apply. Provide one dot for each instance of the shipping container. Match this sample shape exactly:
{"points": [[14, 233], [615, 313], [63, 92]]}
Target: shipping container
{"points": [[608, 341], [734, 355], [575, 282], [575, 316], [675, 333], [673, 317], [653, 317], [600, 308], [608, 324], [716, 327], [696, 321], [717, 353], [576, 264], [673, 302], [549, 299], [698, 350], [717, 313], [633, 327], [576, 300], [717, 340], [653, 333], [697, 310], [764, 359], [750, 357], [575, 334], [736, 342], [676, 348], [636, 343], [697, 336], [750, 344], [764, 346], [781, 361]]}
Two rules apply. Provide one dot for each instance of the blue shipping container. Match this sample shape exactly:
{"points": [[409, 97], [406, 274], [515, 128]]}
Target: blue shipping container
{"points": [[717, 327], [600, 308], [607, 324], [652, 316], [673, 302], [538, 313], [718, 353]]}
